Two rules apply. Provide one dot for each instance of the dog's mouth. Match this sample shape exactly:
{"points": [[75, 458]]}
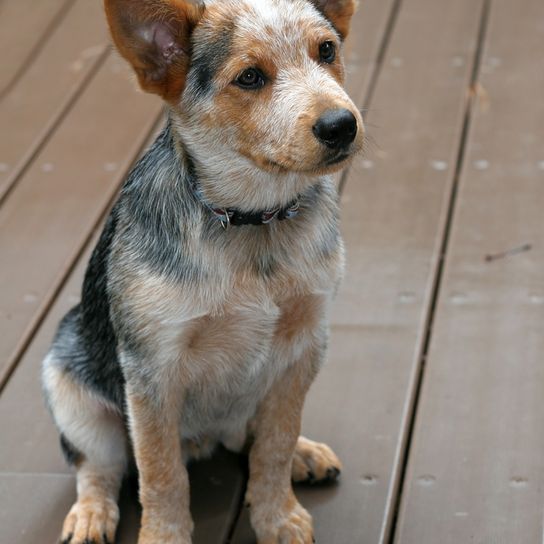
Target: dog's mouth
{"points": [[341, 156], [326, 164], [329, 162]]}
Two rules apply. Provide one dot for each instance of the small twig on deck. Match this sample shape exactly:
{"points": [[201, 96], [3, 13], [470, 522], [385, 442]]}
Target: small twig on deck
{"points": [[508, 253]]}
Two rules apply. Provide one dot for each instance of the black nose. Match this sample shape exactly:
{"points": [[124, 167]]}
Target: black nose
{"points": [[336, 128]]}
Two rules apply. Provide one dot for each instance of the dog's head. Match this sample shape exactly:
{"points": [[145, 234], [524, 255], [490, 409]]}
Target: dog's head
{"points": [[256, 83]]}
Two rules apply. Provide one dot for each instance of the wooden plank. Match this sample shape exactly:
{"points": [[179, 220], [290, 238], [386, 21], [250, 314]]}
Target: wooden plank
{"points": [[29, 437], [362, 51], [33, 505], [394, 212], [364, 44], [60, 68], [30, 440], [24, 26], [48, 216], [476, 472]]}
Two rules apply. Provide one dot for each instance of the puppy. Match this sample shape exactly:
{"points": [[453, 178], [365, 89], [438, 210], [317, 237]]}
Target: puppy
{"points": [[203, 317]]}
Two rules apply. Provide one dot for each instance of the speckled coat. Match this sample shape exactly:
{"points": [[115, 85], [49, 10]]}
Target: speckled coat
{"points": [[191, 332]]}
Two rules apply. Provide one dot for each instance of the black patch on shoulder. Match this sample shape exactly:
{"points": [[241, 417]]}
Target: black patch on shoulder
{"points": [[154, 202], [157, 199], [72, 455], [85, 342], [207, 61], [102, 370]]}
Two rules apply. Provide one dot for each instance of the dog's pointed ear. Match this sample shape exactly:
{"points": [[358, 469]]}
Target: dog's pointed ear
{"points": [[338, 12], [154, 36]]}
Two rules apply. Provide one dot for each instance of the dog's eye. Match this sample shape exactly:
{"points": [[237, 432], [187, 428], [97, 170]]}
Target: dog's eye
{"points": [[250, 79], [327, 52]]}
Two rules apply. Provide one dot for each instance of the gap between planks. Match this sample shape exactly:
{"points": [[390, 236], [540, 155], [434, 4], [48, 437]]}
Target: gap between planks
{"points": [[29, 58], [54, 122], [376, 70], [145, 141], [412, 409]]}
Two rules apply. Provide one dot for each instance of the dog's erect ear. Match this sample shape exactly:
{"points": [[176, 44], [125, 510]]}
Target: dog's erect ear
{"points": [[154, 36], [338, 12]]}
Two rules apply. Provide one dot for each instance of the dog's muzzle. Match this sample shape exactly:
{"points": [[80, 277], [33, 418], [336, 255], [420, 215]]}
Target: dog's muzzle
{"points": [[336, 129]]}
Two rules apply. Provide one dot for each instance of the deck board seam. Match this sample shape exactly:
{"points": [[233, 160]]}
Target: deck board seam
{"points": [[390, 536], [239, 509], [54, 122], [18, 474], [57, 288], [375, 74], [29, 59]]}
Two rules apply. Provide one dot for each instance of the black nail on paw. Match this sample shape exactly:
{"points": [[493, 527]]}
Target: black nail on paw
{"points": [[333, 473], [310, 477], [67, 540]]}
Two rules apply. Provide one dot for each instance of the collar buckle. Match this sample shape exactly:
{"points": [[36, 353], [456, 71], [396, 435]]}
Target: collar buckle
{"points": [[229, 216]]}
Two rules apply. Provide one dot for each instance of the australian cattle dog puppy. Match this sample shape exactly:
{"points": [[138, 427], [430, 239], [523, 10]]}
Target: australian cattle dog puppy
{"points": [[203, 317]]}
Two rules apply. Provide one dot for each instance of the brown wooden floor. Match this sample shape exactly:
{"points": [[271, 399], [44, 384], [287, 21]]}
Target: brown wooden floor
{"points": [[433, 391]]}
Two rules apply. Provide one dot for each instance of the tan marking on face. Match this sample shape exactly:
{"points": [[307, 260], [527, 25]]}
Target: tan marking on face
{"points": [[272, 125]]}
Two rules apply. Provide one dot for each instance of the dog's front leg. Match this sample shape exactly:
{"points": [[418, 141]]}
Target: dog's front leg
{"points": [[276, 515], [164, 483]]}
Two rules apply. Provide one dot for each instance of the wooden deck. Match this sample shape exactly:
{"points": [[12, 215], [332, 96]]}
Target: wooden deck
{"points": [[432, 395]]}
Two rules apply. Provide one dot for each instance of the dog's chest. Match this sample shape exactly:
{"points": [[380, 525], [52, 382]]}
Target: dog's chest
{"points": [[237, 344], [228, 359], [227, 337]]}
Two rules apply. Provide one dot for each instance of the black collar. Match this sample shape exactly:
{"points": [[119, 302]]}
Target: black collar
{"points": [[235, 217], [232, 216]]}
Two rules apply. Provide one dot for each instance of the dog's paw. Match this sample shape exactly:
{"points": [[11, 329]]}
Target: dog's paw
{"points": [[91, 522], [314, 462], [295, 527]]}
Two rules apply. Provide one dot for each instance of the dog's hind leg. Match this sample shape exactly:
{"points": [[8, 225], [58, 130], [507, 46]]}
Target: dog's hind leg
{"points": [[314, 462], [93, 438]]}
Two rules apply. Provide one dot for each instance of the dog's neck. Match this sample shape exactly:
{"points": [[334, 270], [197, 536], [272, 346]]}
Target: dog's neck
{"points": [[235, 216], [226, 180]]}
